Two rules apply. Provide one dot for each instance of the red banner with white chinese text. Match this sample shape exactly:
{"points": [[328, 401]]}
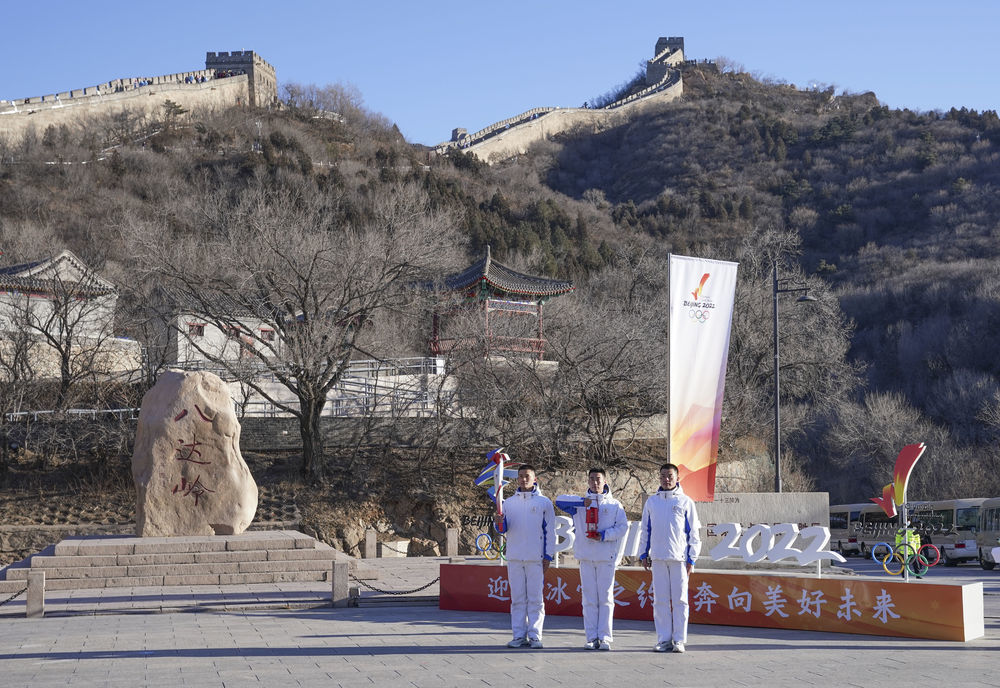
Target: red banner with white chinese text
{"points": [[870, 606]]}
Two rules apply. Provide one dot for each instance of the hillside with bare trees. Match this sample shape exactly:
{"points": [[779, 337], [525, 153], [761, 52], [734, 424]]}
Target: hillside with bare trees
{"points": [[890, 218]]}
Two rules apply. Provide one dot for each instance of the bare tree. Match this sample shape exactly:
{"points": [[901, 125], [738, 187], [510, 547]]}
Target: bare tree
{"points": [[610, 344], [64, 328], [17, 352], [603, 375], [814, 340], [286, 257], [341, 99]]}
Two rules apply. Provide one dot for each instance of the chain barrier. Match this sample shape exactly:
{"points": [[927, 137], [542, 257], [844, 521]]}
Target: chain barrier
{"points": [[19, 592], [407, 553], [394, 592], [393, 549]]}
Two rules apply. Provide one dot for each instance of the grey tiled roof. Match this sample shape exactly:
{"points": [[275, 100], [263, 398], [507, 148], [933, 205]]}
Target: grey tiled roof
{"points": [[215, 303], [504, 279], [23, 267], [19, 278]]}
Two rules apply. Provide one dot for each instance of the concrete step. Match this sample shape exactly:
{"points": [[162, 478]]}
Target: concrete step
{"points": [[182, 579], [192, 574], [8, 588], [396, 601], [250, 540], [126, 561], [225, 556], [147, 570]]}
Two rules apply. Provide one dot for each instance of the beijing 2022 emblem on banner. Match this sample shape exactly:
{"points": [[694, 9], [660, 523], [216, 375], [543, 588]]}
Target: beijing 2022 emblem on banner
{"points": [[702, 294]]}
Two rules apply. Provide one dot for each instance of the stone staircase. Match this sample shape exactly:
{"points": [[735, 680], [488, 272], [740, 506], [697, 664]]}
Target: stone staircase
{"points": [[272, 556]]}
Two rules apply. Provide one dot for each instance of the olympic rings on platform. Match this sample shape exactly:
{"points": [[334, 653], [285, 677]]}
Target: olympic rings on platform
{"points": [[903, 555]]}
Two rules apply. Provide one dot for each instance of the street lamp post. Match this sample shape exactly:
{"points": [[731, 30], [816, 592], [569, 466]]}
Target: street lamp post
{"points": [[779, 289]]}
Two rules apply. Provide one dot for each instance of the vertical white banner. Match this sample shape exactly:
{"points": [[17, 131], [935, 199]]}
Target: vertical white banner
{"points": [[702, 293]]}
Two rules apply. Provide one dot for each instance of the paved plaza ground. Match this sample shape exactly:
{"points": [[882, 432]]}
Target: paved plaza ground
{"points": [[277, 636]]}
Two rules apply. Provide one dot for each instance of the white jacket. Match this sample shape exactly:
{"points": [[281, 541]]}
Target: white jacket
{"points": [[669, 527], [530, 526], [611, 523]]}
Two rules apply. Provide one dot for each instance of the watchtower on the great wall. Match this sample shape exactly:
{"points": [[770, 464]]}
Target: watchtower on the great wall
{"points": [[672, 42], [262, 84], [669, 51]]}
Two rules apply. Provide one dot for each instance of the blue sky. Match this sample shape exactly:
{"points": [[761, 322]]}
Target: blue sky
{"points": [[430, 66]]}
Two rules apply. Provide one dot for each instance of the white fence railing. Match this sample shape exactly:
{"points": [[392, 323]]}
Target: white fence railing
{"points": [[121, 414], [363, 368], [370, 387]]}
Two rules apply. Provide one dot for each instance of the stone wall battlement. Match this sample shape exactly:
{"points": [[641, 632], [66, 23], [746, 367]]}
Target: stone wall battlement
{"points": [[663, 80], [101, 90], [237, 57], [246, 79]]}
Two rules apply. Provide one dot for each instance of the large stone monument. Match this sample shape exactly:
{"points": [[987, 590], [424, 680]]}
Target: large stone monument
{"points": [[190, 477]]}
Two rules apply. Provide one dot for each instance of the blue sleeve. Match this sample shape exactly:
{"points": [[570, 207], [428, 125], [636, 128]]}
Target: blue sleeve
{"points": [[569, 503], [644, 532]]}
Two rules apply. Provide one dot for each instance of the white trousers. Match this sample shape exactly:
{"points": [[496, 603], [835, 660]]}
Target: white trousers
{"points": [[527, 607], [670, 601], [597, 579]]}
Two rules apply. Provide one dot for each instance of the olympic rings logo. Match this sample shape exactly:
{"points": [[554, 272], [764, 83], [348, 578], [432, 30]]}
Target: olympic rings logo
{"points": [[698, 314], [903, 555], [491, 547]]}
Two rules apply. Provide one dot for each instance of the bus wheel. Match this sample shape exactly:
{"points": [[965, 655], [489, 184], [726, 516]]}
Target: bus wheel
{"points": [[987, 565]]}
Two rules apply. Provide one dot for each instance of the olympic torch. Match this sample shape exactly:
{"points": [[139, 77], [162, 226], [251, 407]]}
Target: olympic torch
{"points": [[497, 456]]}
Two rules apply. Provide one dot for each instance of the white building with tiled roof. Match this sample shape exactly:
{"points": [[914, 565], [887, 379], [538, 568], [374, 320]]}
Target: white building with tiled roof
{"points": [[208, 331], [62, 300]]}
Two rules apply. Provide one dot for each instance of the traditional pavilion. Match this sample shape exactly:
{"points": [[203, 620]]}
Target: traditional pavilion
{"points": [[503, 295]]}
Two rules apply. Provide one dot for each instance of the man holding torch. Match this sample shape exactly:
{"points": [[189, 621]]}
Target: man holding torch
{"points": [[529, 522]]}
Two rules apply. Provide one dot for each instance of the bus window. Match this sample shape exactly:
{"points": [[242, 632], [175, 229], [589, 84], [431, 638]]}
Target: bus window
{"points": [[944, 517], [838, 519], [991, 520], [967, 518]]}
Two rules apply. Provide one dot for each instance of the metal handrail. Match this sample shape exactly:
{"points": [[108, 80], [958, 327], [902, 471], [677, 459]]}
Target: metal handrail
{"points": [[93, 413]]}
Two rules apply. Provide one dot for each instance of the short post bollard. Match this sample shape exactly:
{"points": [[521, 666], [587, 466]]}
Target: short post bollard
{"points": [[451, 546], [341, 586], [371, 544], [35, 602]]}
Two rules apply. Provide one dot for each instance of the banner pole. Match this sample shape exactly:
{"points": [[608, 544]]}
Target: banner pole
{"points": [[670, 381]]}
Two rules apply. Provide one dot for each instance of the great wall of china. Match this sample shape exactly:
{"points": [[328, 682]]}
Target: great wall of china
{"points": [[233, 78], [511, 137], [243, 78]]}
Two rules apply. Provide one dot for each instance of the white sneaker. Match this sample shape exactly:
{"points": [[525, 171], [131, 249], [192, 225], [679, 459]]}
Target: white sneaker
{"points": [[662, 647], [678, 647], [518, 642], [604, 645], [534, 643]]}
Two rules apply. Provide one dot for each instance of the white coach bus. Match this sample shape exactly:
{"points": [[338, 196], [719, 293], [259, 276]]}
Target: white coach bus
{"points": [[988, 536], [949, 524]]}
